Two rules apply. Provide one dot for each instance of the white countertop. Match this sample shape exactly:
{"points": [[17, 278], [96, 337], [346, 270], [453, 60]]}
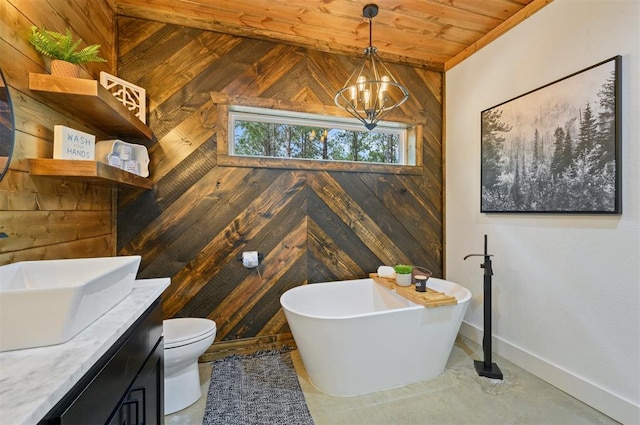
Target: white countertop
{"points": [[33, 380]]}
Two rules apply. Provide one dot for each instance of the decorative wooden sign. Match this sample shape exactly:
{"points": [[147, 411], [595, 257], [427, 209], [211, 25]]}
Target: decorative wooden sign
{"points": [[69, 143], [131, 96]]}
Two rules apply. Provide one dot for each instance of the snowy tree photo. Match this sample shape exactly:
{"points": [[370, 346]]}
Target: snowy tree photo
{"points": [[554, 149]]}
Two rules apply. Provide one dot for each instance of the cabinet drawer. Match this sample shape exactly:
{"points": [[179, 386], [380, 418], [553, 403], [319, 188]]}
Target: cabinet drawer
{"points": [[95, 397]]}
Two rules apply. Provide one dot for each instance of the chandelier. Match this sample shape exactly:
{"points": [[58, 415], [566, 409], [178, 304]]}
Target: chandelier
{"points": [[371, 91]]}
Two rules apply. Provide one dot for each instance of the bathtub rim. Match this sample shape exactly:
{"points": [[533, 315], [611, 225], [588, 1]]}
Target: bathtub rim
{"points": [[411, 305]]}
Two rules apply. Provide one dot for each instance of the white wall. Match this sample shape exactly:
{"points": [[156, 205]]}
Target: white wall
{"points": [[566, 289]]}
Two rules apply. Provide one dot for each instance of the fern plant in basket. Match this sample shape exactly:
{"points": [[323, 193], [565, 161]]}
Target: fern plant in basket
{"points": [[62, 47]]}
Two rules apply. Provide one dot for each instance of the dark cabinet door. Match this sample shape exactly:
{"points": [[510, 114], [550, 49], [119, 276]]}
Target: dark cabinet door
{"points": [[144, 403], [125, 386]]}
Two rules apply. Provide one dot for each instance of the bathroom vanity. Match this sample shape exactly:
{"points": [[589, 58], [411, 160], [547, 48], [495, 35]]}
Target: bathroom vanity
{"points": [[112, 372]]}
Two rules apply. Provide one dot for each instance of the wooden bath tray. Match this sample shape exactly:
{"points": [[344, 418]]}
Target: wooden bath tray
{"points": [[431, 298]]}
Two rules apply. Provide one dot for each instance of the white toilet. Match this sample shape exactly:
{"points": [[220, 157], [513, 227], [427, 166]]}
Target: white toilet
{"points": [[185, 339]]}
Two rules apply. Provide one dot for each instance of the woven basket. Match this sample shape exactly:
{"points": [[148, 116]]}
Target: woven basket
{"points": [[64, 69]]}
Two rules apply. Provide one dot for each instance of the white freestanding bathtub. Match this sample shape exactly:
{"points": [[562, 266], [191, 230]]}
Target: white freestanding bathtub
{"points": [[357, 337]]}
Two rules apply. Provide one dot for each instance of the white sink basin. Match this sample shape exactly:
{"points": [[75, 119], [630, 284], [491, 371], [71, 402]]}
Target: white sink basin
{"points": [[50, 301]]}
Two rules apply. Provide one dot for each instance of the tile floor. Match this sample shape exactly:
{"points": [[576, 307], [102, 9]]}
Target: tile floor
{"points": [[458, 396]]}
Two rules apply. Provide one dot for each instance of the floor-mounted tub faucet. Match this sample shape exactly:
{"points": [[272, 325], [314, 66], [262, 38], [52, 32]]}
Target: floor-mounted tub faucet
{"points": [[486, 368]]}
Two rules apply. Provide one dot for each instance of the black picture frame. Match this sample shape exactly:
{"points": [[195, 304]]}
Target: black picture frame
{"points": [[556, 149]]}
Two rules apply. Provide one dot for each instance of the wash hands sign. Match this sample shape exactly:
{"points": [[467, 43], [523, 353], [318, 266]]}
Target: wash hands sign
{"points": [[69, 143]]}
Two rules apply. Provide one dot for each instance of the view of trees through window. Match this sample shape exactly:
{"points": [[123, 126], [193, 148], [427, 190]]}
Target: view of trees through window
{"points": [[268, 139]]}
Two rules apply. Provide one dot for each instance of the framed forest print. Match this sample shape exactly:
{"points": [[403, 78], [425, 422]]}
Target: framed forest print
{"points": [[555, 149]]}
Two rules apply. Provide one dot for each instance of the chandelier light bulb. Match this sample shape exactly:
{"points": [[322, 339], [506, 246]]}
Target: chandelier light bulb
{"points": [[385, 83], [361, 80], [366, 99], [353, 94]]}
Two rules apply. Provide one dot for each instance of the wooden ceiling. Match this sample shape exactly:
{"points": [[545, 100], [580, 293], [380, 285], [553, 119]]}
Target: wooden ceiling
{"points": [[436, 34]]}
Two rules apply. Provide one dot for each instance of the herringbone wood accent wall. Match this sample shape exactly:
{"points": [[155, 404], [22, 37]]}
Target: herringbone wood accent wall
{"points": [[311, 226]]}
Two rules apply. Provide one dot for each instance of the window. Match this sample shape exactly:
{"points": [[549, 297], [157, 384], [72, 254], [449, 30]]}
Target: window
{"points": [[306, 145], [269, 133]]}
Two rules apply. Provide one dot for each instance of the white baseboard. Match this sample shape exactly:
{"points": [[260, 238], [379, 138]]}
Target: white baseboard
{"points": [[621, 410]]}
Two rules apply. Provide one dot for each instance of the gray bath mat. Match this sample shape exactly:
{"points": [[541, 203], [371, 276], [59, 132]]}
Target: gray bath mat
{"points": [[257, 389]]}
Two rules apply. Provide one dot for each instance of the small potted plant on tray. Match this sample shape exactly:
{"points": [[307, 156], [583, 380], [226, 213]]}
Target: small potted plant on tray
{"points": [[63, 51], [403, 274]]}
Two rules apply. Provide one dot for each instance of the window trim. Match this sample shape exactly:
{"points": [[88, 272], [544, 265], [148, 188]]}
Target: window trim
{"points": [[224, 102]]}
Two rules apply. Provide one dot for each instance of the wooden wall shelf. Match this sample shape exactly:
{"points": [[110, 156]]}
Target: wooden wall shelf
{"points": [[94, 171], [89, 102]]}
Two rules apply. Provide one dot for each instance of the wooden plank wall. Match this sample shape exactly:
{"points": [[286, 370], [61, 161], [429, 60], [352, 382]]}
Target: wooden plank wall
{"points": [[49, 218], [311, 226]]}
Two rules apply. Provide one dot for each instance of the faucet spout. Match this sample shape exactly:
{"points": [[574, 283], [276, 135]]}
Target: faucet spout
{"points": [[488, 270], [473, 255]]}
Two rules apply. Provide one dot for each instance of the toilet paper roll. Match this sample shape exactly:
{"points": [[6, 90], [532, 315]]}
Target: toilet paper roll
{"points": [[250, 259]]}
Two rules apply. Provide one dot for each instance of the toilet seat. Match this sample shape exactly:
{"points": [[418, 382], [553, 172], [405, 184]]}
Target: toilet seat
{"points": [[184, 331]]}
